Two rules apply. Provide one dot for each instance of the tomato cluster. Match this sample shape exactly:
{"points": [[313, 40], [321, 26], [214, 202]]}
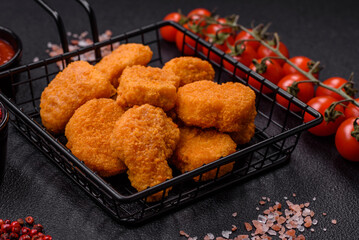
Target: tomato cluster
{"points": [[247, 49]]}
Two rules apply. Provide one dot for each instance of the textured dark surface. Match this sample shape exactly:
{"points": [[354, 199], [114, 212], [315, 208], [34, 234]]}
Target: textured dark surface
{"points": [[321, 30]]}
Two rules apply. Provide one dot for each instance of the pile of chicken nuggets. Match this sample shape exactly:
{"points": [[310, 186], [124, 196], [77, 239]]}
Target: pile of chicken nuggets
{"points": [[158, 118]]}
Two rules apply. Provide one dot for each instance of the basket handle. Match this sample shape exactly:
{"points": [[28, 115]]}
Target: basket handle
{"points": [[61, 28], [59, 23]]}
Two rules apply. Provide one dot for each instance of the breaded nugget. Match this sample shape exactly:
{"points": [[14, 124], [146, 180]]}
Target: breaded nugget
{"points": [[88, 133], [140, 85], [198, 147], [144, 138], [190, 69], [125, 55], [245, 134], [207, 104], [75, 85]]}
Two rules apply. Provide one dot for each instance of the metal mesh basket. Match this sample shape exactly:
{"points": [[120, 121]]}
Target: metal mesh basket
{"points": [[277, 130]]}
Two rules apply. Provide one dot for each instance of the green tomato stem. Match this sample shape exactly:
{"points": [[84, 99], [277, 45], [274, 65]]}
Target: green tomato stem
{"points": [[309, 74]]}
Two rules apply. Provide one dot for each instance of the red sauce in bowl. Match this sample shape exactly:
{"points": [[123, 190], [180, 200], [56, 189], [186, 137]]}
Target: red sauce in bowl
{"points": [[6, 52]]}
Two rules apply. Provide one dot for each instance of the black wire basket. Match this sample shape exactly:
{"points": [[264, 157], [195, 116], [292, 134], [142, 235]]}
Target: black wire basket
{"points": [[277, 129]]}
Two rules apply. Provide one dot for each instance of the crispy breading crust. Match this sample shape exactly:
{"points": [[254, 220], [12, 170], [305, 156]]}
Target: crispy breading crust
{"points": [[74, 86], [144, 138], [88, 134], [125, 55], [198, 147], [190, 69], [140, 85], [207, 104], [245, 134]]}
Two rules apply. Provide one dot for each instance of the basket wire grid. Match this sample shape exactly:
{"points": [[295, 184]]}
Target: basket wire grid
{"points": [[277, 129]]}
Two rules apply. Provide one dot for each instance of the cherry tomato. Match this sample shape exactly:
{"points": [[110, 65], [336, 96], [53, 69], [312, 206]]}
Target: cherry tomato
{"points": [[321, 104], [188, 42], [266, 52], [197, 15], [245, 57], [306, 90], [334, 82], [303, 63], [273, 73], [219, 41], [347, 145], [217, 28], [351, 110], [243, 35], [168, 33]]}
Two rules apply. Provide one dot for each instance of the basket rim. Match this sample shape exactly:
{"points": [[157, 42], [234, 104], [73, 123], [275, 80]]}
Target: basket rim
{"points": [[182, 177]]}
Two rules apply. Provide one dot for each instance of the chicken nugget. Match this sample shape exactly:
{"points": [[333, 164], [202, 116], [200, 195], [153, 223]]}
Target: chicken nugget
{"points": [[144, 138], [125, 55], [140, 85], [74, 86], [88, 133], [245, 134], [207, 104], [190, 69], [198, 147]]}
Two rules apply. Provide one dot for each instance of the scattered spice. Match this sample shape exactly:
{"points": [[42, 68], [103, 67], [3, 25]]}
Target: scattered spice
{"points": [[248, 226], [276, 221], [79, 41], [20, 230], [182, 233]]}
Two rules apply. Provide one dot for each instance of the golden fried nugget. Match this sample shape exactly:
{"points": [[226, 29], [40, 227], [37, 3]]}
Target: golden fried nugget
{"points": [[88, 133], [198, 147], [144, 138], [74, 86], [190, 69], [140, 85], [125, 55], [245, 134], [207, 104]]}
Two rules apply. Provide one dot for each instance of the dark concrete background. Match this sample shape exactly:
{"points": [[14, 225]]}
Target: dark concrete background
{"points": [[322, 30]]}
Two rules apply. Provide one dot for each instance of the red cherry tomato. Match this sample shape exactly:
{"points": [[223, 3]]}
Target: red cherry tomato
{"points": [[219, 42], [243, 35], [351, 110], [321, 104], [334, 82], [197, 15], [303, 63], [346, 144], [168, 33], [187, 42], [273, 73], [246, 57], [266, 52], [306, 90]]}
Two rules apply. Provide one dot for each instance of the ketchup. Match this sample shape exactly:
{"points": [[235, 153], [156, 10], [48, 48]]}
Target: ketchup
{"points": [[6, 52]]}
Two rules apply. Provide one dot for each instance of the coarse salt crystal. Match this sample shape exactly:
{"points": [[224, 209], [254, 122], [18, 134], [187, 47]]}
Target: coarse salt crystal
{"points": [[210, 236], [257, 208], [226, 233], [285, 198], [36, 59], [324, 229], [300, 228], [334, 221], [272, 232], [314, 198], [234, 214], [306, 212], [312, 229], [262, 219], [315, 221]]}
